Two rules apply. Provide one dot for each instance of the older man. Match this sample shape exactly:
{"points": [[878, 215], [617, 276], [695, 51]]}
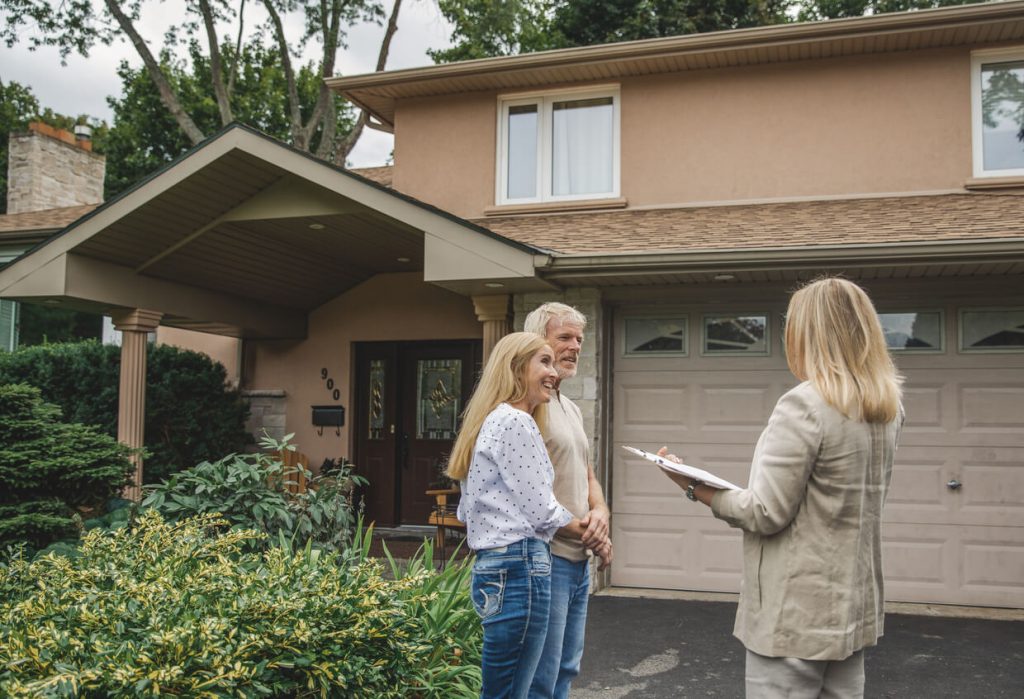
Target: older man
{"points": [[577, 489]]}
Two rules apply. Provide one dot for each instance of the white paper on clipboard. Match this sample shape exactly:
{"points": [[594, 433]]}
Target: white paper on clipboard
{"points": [[688, 471]]}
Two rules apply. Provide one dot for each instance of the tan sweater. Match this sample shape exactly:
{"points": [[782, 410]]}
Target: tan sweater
{"points": [[570, 454], [811, 516]]}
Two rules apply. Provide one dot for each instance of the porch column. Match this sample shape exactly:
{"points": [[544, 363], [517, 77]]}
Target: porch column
{"points": [[135, 326], [492, 311]]}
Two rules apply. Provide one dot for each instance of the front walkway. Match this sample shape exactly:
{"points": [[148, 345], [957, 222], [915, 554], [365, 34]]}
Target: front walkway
{"points": [[660, 648]]}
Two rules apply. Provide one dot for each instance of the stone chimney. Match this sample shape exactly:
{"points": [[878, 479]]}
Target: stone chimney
{"points": [[52, 168]]}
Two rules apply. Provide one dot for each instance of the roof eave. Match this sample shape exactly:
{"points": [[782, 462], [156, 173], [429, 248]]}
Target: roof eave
{"points": [[795, 257]]}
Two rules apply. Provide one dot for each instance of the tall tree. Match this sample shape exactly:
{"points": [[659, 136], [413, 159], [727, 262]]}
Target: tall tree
{"points": [[835, 9], [145, 137], [78, 25], [484, 28]]}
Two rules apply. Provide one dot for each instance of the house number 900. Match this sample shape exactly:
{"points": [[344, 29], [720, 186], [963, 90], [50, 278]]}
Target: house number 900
{"points": [[335, 393]]}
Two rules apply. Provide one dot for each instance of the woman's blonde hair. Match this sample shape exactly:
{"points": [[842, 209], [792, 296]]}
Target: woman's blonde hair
{"points": [[503, 381], [835, 341]]}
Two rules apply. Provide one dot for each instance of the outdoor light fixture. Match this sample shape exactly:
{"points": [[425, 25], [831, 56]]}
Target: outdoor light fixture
{"points": [[403, 259], [317, 226], [724, 277], [494, 285]]}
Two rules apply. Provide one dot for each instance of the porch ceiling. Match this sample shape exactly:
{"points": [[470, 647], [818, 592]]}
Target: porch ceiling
{"points": [[244, 236]]}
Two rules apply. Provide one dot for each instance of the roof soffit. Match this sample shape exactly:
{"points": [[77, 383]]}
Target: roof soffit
{"points": [[951, 26], [248, 217]]}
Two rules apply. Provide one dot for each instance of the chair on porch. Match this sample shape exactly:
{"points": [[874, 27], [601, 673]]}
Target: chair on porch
{"points": [[443, 517]]}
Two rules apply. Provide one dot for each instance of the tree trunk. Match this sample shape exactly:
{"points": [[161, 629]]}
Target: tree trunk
{"points": [[349, 142], [216, 69], [156, 74], [298, 139]]}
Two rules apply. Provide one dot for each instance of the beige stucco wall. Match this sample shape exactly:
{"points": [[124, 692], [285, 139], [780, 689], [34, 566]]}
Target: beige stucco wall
{"points": [[387, 307], [219, 348], [895, 122]]}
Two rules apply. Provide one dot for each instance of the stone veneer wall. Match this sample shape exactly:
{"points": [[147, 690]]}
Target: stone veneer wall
{"points": [[44, 172], [266, 412]]}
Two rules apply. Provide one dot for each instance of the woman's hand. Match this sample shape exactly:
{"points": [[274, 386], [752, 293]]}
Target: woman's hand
{"points": [[680, 480]]}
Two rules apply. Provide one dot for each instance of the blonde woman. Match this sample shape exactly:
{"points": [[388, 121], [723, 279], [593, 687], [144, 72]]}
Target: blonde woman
{"points": [[811, 597], [509, 509]]}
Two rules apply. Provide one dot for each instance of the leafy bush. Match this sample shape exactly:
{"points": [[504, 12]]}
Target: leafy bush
{"points": [[192, 415], [247, 491], [188, 609], [48, 467]]}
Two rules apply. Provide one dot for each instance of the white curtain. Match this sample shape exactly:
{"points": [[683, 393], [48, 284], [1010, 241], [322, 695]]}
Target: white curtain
{"points": [[582, 147]]}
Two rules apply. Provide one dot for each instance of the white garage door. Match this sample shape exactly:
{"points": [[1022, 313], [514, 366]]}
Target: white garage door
{"points": [[703, 381]]}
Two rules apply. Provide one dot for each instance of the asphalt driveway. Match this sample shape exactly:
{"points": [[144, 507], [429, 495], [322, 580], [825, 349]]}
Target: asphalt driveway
{"points": [[660, 648]]}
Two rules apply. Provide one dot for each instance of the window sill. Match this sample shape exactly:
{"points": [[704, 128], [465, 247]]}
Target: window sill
{"points": [[559, 206], [981, 183]]}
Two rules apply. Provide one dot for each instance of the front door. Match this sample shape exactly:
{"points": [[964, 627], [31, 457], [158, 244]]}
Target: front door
{"points": [[409, 396]]}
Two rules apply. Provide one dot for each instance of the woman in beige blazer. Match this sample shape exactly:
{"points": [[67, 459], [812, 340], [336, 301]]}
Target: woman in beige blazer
{"points": [[811, 597]]}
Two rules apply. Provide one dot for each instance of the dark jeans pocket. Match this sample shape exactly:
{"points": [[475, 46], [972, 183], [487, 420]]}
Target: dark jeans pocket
{"points": [[488, 592]]}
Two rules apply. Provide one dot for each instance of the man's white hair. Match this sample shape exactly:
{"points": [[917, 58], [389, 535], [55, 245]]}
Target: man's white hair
{"points": [[539, 318]]}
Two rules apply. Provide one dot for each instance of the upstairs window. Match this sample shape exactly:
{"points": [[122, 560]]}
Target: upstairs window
{"points": [[997, 82], [558, 147]]}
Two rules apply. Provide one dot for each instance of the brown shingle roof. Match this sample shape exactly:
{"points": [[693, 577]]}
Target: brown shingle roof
{"points": [[380, 175], [834, 222], [48, 219]]}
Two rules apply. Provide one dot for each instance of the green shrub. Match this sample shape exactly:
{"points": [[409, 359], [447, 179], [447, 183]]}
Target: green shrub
{"points": [[48, 468], [247, 490], [187, 609], [192, 415]]}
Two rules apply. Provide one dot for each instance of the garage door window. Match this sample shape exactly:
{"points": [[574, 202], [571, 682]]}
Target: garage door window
{"points": [[913, 331], [654, 336], [992, 330], [736, 334]]}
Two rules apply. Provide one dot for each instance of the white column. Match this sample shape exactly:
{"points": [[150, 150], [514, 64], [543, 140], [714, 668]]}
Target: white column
{"points": [[492, 311]]}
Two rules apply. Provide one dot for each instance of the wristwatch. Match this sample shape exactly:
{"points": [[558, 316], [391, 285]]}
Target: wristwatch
{"points": [[690, 490]]}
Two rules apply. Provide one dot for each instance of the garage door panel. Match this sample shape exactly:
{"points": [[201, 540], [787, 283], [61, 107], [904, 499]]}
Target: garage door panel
{"points": [[993, 409], [924, 407], [641, 487], [954, 564], [676, 552], [991, 490], [734, 408]]}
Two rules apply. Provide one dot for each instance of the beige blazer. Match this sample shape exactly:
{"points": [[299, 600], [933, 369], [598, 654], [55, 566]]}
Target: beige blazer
{"points": [[811, 520]]}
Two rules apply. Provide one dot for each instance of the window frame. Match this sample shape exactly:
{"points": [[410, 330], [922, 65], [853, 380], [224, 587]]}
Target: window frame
{"points": [[684, 352], [544, 101], [941, 349], [978, 59], [768, 335], [983, 350]]}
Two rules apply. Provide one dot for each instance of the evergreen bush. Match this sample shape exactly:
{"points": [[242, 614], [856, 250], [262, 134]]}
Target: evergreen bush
{"points": [[48, 468], [190, 609], [192, 415]]}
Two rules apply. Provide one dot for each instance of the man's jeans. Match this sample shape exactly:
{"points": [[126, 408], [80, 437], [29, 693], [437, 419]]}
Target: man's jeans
{"points": [[511, 592], [563, 649]]}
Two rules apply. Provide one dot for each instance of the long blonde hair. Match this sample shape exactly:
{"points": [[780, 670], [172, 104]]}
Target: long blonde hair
{"points": [[835, 341], [503, 381]]}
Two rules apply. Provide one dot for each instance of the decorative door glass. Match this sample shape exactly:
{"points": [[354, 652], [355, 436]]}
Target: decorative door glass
{"points": [[438, 398], [378, 385]]}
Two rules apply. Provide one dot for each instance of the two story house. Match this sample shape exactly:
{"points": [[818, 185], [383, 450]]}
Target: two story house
{"points": [[675, 190]]}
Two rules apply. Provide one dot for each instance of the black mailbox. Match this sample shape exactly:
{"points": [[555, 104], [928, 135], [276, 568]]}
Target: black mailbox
{"points": [[328, 416]]}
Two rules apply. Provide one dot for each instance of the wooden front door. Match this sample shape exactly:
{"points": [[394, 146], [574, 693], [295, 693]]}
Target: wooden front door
{"points": [[409, 396]]}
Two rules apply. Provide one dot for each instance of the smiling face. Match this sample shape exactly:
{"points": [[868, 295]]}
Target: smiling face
{"points": [[541, 378], [565, 339]]}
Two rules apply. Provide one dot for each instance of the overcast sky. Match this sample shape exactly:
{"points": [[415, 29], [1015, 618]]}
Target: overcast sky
{"points": [[82, 86]]}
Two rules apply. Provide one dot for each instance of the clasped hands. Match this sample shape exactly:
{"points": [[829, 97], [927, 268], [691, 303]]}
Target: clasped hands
{"points": [[592, 530]]}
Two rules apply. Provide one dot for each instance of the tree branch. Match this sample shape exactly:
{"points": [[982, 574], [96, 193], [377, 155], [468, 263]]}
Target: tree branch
{"points": [[233, 72], [298, 135], [349, 142], [216, 69], [156, 74]]}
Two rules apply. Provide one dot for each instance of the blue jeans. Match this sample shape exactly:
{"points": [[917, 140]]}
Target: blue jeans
{"points": [[511, 592], [563, 648]]}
